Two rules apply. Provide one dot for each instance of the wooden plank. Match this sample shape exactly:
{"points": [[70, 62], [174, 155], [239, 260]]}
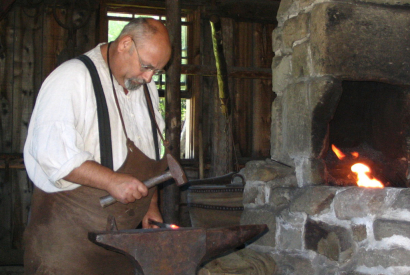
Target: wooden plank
{"points": [[234, 72], [262, 92], [171, 196]]}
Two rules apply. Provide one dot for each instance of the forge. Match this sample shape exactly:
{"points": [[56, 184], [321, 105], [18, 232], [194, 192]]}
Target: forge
{"points": [[341, 73]]}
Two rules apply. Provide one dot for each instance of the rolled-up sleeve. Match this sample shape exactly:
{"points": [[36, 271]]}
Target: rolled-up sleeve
{"points": [[58, 149], [60, 136]]}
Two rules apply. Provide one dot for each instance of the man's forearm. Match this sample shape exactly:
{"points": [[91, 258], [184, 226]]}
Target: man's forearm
{"points": [[92, 174], [125, 188]]}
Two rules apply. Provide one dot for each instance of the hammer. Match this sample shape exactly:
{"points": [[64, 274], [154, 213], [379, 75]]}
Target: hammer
{"points": [[175, 171]]}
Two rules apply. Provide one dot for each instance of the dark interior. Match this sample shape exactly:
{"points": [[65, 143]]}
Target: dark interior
{"points": [[372, 118]]}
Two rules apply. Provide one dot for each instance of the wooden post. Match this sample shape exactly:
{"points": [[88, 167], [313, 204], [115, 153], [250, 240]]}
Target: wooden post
{"points": [[222, 71], [171, 195], [222, 141]]}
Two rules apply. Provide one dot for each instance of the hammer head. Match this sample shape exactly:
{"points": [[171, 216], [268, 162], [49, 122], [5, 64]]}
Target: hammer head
{"points": [[176, 171]]}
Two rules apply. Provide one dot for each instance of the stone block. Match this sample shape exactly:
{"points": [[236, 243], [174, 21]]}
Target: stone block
{"points": [[356, 202], [281, 73], [306, 102], [402, 200], [277, 40], [266, 170], [313, 200], [324, 95], [301, 61], [331, 241], [294, 29], [359, 232], [296, 110], [290, 226], [361, 41], [285, 8], [280, 197], [383, 228], [309, 171], [254, 194], [387, 2], [261, 216], [303, 4], [395, 256]]}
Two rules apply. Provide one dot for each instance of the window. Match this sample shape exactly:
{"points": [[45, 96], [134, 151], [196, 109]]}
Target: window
{"points": [[117, 19]]}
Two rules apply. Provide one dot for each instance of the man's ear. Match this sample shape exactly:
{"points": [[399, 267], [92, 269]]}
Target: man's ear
{"points": [[124, 44]]}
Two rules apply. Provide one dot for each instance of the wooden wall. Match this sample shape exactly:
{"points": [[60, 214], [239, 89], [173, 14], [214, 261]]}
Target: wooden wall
{"points": [[227, 143], [33, 44]]}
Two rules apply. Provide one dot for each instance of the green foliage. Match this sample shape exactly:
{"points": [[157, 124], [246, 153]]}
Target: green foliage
{"points": [[115, 28]]}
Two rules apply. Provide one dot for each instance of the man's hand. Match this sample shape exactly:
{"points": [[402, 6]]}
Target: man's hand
{"points": [[124, 188], [127, 189]]}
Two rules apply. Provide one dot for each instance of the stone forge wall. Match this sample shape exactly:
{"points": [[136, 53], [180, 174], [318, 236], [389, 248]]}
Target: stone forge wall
{"points": [[327, 230], [317, 45]]}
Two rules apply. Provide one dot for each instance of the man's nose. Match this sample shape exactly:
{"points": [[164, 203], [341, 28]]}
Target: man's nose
{"points": [[147, 76]]}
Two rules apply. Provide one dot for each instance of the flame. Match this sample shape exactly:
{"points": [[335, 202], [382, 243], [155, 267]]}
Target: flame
{"points": [[173, 226], [362, 171], [338, 153], [362, 178]]}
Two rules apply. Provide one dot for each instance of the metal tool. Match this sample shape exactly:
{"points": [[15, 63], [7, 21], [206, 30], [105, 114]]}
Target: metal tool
{"points": [[175, 171], [165, 251]]}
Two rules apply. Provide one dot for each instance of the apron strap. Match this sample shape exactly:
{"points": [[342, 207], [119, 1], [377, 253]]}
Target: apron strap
{"points": [[104, 128], [154, 124]]}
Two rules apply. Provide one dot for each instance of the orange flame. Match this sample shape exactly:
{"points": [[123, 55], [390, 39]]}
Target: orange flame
{"points": [[173, 226], [363, 179], [338, 153]]}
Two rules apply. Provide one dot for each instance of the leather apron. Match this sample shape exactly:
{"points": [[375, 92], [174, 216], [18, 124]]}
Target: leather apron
{"points": [[56, 238]]}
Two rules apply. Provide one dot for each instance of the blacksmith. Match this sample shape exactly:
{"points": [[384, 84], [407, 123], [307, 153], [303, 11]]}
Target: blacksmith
{"points": [[63, 156]]}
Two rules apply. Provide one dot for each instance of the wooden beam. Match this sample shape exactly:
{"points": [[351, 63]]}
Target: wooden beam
{"points": [[5, 5], [236, 72], [263, 11], [171, 196]]}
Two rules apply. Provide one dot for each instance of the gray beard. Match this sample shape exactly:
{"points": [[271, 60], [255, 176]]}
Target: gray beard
{"points": [[132, 84]]}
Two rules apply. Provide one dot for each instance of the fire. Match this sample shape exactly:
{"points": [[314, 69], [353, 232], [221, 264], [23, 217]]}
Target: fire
{"points": [[363, 179], [361, 170], [338, 153], [173, 226]]}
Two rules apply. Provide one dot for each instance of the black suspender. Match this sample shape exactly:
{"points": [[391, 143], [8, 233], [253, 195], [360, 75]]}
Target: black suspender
{"points": [[102, 113], [104, 118]]}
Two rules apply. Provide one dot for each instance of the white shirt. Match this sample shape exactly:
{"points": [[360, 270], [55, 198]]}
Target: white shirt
{"points": [[63, 130]]}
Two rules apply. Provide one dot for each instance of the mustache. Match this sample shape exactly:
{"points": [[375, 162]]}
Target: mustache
{"points": [[134, 83]]}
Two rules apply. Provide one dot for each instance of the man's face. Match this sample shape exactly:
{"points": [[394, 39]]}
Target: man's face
{"points": [[142, 60]]}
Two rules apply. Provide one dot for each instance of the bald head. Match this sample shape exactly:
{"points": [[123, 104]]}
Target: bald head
{"points": [[142, 48], [142, 29]]}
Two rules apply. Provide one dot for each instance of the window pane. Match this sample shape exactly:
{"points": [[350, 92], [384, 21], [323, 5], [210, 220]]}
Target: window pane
{"points": [[114, 29], [116, 14]]}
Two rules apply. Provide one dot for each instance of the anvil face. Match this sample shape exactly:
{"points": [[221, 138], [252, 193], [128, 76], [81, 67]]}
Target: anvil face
{"points": [[174, 251]]}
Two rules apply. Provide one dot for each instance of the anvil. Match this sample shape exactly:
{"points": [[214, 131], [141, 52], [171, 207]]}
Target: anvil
{"points": [[175, 251]]}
